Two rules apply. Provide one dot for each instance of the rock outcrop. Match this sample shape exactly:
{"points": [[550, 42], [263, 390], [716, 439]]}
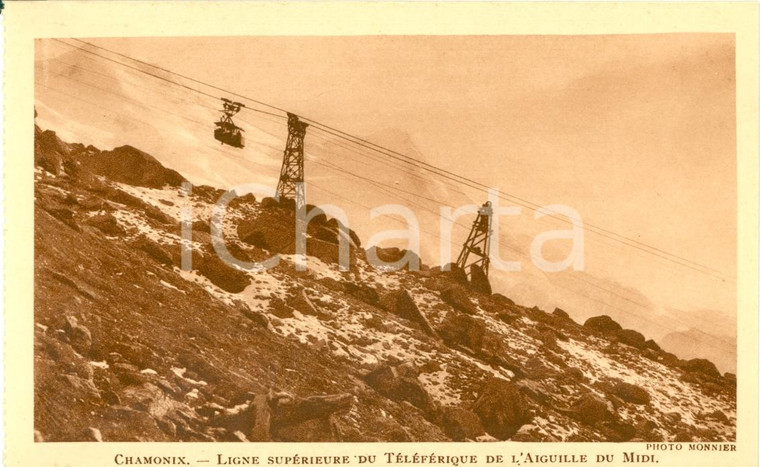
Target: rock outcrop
{"points": [[479, 281], [400, 384], [590, 408], [603, 324], [464, 330], [402, 304], [703, 366], [461, 424], [127, 164], [631, 393], [502, 408], [457, 297]]}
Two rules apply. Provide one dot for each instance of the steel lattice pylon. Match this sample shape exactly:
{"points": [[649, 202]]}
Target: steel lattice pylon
{"points": [[290, 185], [478, 242]]}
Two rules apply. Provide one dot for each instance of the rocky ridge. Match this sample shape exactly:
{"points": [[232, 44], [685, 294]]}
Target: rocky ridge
{"points": [[131, 347]]}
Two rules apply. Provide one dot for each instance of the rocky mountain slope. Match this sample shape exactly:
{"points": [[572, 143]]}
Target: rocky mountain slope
{"points": [[129, 346]]}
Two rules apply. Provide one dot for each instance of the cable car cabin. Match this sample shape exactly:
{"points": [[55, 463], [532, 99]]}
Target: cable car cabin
{"points": [[226, 131], [229, 133]]}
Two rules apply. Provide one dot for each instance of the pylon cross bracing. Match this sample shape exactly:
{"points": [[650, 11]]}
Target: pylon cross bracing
{"points": [[291, 181], [477, 246]]}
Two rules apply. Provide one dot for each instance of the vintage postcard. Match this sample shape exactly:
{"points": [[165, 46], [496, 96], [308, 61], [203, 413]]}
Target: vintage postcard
{"points": [[380, 234]]}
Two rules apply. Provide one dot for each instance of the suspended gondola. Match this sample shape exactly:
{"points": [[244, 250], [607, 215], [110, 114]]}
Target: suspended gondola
{"points": [[226, 131]]}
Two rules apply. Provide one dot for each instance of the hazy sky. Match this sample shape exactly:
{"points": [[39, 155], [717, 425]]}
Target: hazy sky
{"points": [[637, 133]]}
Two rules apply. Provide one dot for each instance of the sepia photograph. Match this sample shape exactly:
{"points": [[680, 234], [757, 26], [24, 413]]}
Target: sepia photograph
{"points": [[386, 238]]}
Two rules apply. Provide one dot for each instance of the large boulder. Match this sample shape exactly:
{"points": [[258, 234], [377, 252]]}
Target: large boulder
{"points": [[325, 234], [701, 365], [355, 238], [560, 313], [392, 255], [201, 225], [399, 384], [207, 193], [618, 430], [122, 197], [574, 374], [333, 231], [503, 299], [454, 273], [318, 216], [256, 238], [268, 236], [79, 336], [315, 430], [261, 417], [461, 329], [129, 165], [502, 408], [329, 252], [47, 141], [538, 315], [590, 408], [632, 338], [201, 366], [631, 393], [154, 250], [363, 292], [49, 151], [287, 410], [479, 281], [220, 273], [277, 234], [652, 345], [149, 398], [401, 303], [457, 297], [603, 324], [386, 255], [247, 199], [259, 319], [158, 215], [461, 424], [536, 369], [252, 421], [269, 203], [667, 359], [63, 214], [106, 223]]}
